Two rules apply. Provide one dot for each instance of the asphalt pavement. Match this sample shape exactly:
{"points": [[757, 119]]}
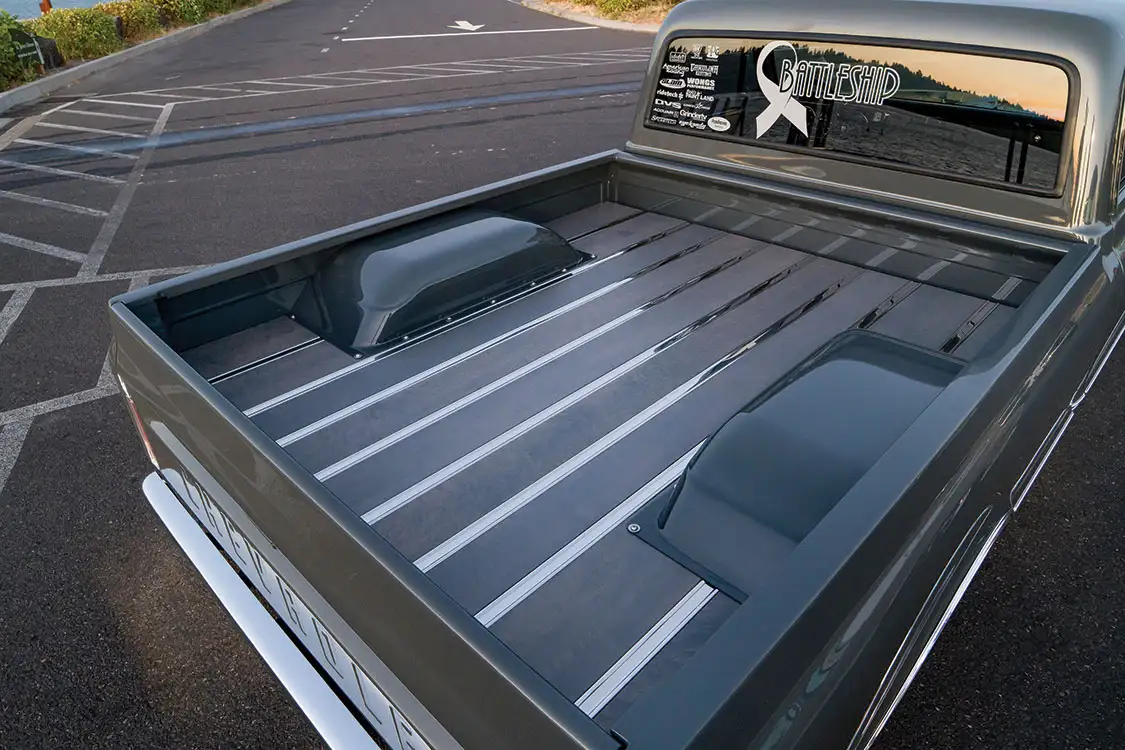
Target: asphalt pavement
{"points": [[107, 636]]}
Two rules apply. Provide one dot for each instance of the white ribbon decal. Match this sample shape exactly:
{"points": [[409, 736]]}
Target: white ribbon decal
{"points": [[782, 103]]}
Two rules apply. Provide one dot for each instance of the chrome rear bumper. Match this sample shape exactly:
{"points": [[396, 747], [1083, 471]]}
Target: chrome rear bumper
{"points": [[320, 703]]}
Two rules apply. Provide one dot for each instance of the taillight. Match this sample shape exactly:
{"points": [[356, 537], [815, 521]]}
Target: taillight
{"points": [[138, 423]]}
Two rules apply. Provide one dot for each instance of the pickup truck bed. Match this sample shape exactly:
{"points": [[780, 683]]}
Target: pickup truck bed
{"points": [[503, 452]]}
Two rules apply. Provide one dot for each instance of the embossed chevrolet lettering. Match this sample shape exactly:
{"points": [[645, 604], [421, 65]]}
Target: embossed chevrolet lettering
{"points": [[792, 358]]}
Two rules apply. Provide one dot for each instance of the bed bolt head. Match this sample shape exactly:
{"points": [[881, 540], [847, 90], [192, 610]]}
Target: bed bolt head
{"points": [[634, 528]]}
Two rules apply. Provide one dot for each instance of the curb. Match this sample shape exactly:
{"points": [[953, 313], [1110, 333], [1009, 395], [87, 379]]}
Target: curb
{"points": [[43, 87], [542, 7]]}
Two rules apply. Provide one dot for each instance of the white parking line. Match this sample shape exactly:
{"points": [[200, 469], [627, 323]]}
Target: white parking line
{"points": [[31, 411], [241, 92], [93, 260], [630, 54], [330, 77], [42, 248], [61, 172], [215, 88], [87, 113], [46, 202], [84, 129], [171, 96], [409, 75], [12, 437], [437, 68], [100, 278], [78, 149], [12, 309], [464, 34], [583, 59], [290, 83], [127, 104], [503, 66]]}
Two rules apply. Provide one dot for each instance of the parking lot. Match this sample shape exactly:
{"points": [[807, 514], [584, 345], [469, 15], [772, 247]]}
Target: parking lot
{"points": [[302, 119]]}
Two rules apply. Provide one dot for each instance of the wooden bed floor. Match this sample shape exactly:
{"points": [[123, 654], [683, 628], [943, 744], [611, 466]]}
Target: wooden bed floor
{"points": [[503, 455]]}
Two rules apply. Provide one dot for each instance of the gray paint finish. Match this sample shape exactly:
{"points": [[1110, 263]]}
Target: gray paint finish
{"points": [[850, 611], [447, 509]]}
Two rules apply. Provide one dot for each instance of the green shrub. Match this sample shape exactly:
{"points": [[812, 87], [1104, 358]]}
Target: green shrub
{"points": [[182, 11], [218, 6], [12, 71], [621, 6], [618, 7], [83, 33], [141, 18]]}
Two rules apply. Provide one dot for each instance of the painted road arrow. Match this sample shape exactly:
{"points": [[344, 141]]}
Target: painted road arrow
{"points": [[466, 26]]}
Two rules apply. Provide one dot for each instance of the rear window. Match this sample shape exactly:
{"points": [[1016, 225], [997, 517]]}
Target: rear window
{"points": [[959, 115]]}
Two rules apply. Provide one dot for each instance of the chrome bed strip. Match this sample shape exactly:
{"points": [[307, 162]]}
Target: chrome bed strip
{"points": [[513, 376], [459, 540], [626, 668], [531, 582], [333, 376], [425, 485]]}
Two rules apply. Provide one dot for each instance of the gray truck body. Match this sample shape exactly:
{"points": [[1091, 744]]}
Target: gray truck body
{"points": [[695, 444]]}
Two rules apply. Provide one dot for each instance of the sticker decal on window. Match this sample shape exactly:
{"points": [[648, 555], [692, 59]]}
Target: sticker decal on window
{"points": [[954, 114]]}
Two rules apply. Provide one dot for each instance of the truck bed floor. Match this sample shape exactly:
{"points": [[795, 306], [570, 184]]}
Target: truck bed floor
{"points": [[503, 454]]}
